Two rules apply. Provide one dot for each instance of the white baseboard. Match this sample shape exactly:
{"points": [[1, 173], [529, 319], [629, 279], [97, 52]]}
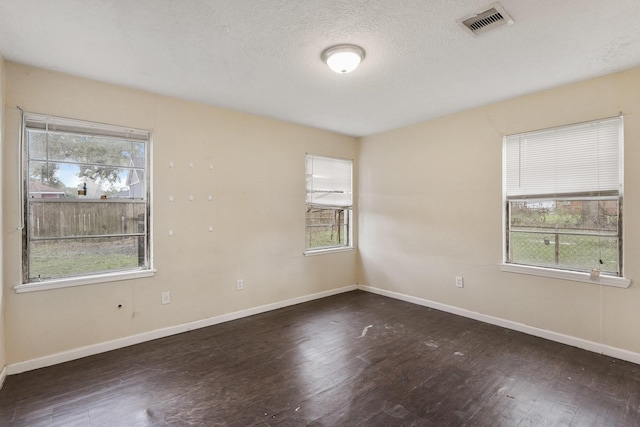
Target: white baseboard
{"points": [[90, 350], [3, 376], [599, 348]]}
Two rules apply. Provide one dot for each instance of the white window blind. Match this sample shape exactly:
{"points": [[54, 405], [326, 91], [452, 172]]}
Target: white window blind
{"points": [[582, 158], [71, 126], [329, 182]]}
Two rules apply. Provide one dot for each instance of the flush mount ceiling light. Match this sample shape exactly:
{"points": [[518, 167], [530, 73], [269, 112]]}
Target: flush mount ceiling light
{"points": [[343, 58]]}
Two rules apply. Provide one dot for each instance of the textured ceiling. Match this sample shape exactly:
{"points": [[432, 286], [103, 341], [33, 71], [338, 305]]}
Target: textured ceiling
{"points": [[263, 56]]}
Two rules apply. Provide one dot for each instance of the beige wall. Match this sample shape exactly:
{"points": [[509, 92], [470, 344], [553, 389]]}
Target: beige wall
{"points": [[257, 215], [430, 210], [3, 359]]}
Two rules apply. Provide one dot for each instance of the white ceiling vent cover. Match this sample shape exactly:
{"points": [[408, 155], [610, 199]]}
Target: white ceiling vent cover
{"points": [[486, 20]]}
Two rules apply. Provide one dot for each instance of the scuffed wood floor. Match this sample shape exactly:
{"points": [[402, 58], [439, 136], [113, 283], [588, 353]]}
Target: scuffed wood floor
{"points": [[355, 359]]}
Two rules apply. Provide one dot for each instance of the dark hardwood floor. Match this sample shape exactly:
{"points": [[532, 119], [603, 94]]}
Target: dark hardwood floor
{"points": [[355, 359]]}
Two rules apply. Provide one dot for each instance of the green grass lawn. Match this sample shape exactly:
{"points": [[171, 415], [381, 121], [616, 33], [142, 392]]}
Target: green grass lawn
{"points": [[575, 252], [65, 258], [321, 237]]}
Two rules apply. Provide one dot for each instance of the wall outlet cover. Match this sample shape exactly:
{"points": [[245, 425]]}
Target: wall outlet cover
{"points": [[166, 297]]}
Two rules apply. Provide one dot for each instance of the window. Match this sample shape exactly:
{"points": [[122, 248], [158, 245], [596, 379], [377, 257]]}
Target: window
{"points": [[329, 203], [563, 197], [86, 199]]}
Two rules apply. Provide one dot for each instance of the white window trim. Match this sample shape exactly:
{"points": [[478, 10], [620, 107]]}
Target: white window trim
{"points": [[331, 249], [112, 276], [321, 251], [83, 280], [576, 276]]}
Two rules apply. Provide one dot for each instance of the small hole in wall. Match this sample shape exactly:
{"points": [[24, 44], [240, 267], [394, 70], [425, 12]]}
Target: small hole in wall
{"points": [[119, 306]]}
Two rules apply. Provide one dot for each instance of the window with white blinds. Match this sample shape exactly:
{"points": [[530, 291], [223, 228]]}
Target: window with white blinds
{"points": [[329, 202], [582, 158], [563, 197]]}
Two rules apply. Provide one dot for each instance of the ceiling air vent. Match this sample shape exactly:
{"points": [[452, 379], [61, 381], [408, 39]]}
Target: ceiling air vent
{"points": [[486, 20]]}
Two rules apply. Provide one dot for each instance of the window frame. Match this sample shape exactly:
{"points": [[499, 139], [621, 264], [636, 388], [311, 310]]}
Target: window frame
{"points": [[565, 272], [347, 210], [40, 122]]}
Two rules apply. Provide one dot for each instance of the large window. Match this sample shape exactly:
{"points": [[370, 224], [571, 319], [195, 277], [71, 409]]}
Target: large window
{"points": [[563, 197], [329, 203], [86, 199]]}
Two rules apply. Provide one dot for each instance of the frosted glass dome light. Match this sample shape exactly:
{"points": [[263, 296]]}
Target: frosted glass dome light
{"points": [[343, 58]]}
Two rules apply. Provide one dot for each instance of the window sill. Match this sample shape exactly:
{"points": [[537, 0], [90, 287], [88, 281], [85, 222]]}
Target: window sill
{"points": [[576, 276], [82, 280], [312, 252]]}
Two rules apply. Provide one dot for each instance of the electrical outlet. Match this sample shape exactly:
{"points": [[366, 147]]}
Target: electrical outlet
{"points": [[166, 297], [459, 282], [239, 285]]}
